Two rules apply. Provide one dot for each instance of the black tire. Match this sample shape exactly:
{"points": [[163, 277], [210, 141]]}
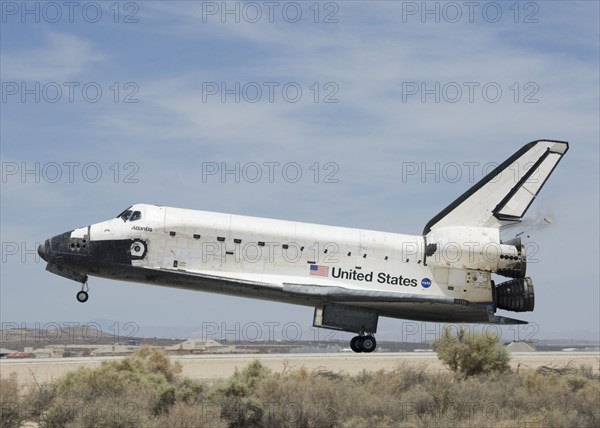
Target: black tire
{"points": [[82, 296], [368, 344], [355, 344]]}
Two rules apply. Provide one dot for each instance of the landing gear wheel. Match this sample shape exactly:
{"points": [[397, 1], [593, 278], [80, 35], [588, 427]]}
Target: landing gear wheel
{"points": [[82, 296], [368, 344], [363, 344], [355, 344]]}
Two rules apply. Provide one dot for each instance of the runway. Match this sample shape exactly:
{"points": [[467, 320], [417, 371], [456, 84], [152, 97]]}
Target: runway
{"points": [[214, 367]]}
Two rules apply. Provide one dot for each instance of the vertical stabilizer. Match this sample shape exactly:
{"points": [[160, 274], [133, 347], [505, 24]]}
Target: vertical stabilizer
{"points": [[505, 194]]}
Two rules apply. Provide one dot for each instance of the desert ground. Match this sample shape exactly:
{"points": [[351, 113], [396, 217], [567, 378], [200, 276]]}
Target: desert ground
{"points": [[214, 367]]}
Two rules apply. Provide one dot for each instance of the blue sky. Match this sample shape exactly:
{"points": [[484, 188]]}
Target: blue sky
{"points": [[162, 116]]}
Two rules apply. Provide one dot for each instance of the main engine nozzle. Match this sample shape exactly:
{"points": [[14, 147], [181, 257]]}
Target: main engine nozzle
{"points": [[515, 295]]}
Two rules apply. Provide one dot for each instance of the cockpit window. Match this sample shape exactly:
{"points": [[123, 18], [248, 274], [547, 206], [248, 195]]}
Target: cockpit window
{"points": [[130, 215], [125, 215], [126, 210]]}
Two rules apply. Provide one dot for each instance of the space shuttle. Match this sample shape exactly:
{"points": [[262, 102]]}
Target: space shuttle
{"points": [[458, 270]]}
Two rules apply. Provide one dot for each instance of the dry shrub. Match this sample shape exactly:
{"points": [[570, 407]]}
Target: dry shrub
{"points": [[148, 391], [299, 399], [371, 422], [10, 403], [104, 411], [126, 393], [183, 415], [471, 353], [236, 398]]}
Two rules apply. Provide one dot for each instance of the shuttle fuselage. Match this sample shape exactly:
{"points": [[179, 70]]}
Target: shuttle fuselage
{"points": [[350, 276]]}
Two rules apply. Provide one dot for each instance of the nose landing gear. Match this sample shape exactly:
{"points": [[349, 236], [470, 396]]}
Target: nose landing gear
{"points": [[83, 296], [363, 343]]}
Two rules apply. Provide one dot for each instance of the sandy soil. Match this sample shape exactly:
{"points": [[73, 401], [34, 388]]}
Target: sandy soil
{"points": [[215, 367]]}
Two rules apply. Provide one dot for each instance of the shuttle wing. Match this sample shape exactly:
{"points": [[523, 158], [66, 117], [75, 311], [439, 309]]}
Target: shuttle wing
{"points": [[506, 193], [403, 305], [436, 308]]}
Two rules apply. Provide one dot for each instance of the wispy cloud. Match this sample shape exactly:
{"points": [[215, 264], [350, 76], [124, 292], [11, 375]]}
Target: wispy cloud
{"points": [[370, 66], [61, 57]]}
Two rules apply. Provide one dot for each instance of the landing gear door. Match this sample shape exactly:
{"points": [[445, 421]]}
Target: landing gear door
{"points": [[66, 273], [346, 318]]}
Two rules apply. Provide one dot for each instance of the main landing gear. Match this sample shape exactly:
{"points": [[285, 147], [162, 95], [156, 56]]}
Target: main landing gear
{"points": [[362, 321], [363, 343], [83, 296]]}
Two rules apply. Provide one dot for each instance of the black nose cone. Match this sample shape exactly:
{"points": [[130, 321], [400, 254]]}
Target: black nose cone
{"points": [[44, 250]]}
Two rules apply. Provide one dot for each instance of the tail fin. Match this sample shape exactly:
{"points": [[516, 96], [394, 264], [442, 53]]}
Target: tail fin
{"points": [[504, 195]]}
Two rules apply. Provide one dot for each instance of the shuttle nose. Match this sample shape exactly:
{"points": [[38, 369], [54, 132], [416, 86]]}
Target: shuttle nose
{"points": [[44, 250]]}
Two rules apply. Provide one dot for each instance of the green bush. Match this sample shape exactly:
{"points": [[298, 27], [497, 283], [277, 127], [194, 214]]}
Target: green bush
{"points": [[471, 353]]}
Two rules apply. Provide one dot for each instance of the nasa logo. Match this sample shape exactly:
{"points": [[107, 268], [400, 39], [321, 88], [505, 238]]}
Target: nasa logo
{"points": [[426, 282]]}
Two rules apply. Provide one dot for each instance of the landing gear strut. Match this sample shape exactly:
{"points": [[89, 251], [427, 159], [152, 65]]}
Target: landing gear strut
{"points": [[83, 296], [363, 344]]}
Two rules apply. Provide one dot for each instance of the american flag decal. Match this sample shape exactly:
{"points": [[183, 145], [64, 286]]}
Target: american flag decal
{"points": [[319, 270]]}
